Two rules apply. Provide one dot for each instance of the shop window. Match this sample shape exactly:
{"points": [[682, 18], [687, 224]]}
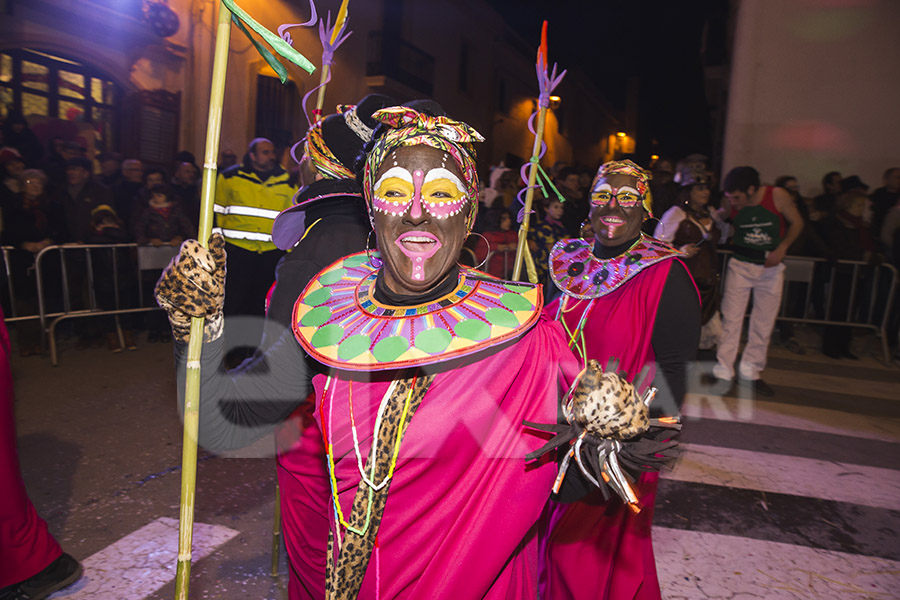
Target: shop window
{"points": [[59, 96]]}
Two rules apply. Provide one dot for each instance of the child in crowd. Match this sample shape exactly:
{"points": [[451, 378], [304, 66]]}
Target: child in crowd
{"points": [[162, 222], [112, 292], [502, 240]]}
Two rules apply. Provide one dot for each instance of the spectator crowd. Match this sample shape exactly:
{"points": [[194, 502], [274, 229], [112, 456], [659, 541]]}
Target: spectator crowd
{"points": [[60, 195]]}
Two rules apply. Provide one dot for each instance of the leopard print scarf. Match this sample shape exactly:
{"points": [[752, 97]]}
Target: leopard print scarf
{"points": [[344, 579]]}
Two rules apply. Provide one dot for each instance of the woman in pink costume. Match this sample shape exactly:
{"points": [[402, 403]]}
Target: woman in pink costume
{"points": [[431, 371], [626, 296]]}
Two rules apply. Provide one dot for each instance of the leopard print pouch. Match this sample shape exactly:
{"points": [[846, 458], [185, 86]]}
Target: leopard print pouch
{"points": [[608, 433]]}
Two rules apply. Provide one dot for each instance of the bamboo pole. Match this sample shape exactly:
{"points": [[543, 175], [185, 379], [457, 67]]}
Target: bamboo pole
{"points": [[276, 530], [522, 250], [195, 344], [339, 23], [320, 99]]}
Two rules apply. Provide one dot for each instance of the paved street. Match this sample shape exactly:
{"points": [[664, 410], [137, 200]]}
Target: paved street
{"points": [[796, 496]]}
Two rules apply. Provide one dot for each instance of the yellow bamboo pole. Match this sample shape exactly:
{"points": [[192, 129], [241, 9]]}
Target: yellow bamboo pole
{"points": [[320, 99], [195, 344], [522, 250], [276, 530]]}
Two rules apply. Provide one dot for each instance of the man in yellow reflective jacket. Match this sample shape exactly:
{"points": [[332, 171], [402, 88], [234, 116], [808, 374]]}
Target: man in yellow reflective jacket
{"points": [[248, 198]]}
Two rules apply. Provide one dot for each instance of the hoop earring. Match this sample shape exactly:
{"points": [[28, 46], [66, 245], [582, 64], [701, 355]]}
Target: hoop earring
{"points": [[581, 227], [488, 244], [375, 261]]}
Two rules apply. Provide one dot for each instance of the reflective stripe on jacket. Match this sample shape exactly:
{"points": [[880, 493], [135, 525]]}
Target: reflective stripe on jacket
{"points": [[246, 206]]}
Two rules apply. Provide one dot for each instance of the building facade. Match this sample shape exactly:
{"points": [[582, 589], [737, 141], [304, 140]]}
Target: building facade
{"points": [[133, 76]]}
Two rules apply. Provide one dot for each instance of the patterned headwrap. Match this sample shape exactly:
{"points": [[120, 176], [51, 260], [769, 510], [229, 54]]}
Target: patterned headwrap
{"points": [[321, 156], [627, 167], [409, 127]]}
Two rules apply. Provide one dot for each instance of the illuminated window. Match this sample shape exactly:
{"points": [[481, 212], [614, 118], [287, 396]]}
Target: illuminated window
{"points": [[35, 76], [51, 89], [71, 85], [34, 105]]}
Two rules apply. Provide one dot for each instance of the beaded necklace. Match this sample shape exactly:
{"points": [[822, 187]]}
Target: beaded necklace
{"points": [[329, 450], [576, 338]]}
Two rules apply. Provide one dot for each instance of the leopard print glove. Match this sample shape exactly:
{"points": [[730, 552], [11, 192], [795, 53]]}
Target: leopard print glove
{"points": [[193, 285]]}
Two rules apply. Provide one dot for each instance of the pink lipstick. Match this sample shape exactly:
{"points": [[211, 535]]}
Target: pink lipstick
{"points": [[418, 246], [612, 224]]}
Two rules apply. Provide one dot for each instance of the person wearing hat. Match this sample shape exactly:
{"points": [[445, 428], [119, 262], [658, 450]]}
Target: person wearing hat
{"points": [[79, 197], [696, 228]]}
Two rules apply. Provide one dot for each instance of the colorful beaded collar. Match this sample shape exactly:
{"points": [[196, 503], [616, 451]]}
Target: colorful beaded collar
{"points": [[577, 272], [340, 324]]}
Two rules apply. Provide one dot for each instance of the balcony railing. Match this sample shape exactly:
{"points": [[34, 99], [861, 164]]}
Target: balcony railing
{"points": [[397, 59]]}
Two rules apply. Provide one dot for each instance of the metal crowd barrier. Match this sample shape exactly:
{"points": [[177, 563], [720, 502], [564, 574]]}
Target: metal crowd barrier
{"points": [[87, 306], [468, 256], [871, 298]]}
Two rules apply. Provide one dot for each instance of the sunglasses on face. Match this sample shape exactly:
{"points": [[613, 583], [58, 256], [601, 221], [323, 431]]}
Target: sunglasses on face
{"points": [[623, 199]]}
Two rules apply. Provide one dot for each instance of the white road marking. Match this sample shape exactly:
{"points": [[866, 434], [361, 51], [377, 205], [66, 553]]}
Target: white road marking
{"points": [[695, 565], [744, 469], [886, 390], [791, 416], [141, 562]]}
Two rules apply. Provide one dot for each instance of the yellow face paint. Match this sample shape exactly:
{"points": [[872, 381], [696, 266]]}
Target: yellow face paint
{"points": [[394, 191]]}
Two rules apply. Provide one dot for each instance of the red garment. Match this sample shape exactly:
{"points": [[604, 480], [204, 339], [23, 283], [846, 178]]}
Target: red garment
{"points": [[26, 546], [303, 480], [598, 549], [463, 508], [501, 263]]}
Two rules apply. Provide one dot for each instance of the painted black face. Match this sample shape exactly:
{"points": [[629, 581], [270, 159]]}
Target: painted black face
{"points": [[420, 211], [617, 212]]}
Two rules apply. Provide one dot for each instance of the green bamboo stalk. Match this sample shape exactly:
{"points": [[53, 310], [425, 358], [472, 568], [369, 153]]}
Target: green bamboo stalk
{"points": [[276, 530], [522, 249], [195, 345]]}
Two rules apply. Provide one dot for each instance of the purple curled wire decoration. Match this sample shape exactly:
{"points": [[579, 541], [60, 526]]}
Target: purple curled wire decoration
{"points": [[326, 30], [283, 29], [546, 85]]}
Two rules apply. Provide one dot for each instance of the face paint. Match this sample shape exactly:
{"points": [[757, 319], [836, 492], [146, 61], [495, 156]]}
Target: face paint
{"points": [[393, 191], [617, 209], [440, 192], [626, 197], [418, 238], [443, 193], [418, 246]]}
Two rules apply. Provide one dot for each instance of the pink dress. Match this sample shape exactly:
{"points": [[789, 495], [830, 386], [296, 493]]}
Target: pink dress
{"points": [[463, 507], [597, 549]]}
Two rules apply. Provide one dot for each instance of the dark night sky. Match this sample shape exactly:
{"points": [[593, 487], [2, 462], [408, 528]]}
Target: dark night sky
{"points": [[658, 41]]}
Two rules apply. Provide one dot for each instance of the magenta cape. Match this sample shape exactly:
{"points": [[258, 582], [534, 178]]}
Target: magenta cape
{"points": [[598, 549], [463, 506], [26, 546], [303, 479]]}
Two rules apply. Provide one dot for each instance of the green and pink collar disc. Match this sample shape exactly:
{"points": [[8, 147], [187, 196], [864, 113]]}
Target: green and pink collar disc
{"points": [[578, 273], [339, 323]]}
